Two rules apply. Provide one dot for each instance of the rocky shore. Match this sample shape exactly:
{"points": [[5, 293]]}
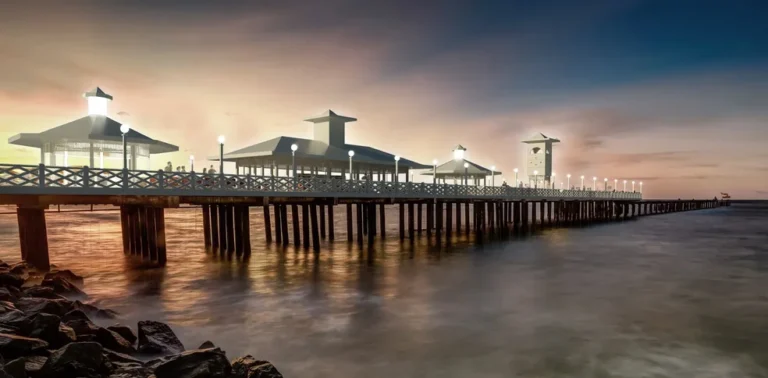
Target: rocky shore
{"points": [[46, 331]]}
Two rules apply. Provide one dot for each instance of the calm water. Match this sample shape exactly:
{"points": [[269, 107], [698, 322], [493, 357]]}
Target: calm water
{"points": [[678, 295]]}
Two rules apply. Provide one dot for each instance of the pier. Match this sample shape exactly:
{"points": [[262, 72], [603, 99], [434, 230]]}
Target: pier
{"points": [[434, 211]]}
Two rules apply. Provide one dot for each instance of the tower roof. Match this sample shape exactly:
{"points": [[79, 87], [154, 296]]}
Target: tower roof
{"points": [[328, 115], [539, 137], [97, 92], [459, 147]]}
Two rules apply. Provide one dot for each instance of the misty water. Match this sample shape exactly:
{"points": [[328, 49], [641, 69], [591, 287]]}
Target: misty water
{"points": [[676, 295]]}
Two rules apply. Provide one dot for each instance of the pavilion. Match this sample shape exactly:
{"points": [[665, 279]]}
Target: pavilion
{"points": [[461, 170], [326, 154], [93, 137]]}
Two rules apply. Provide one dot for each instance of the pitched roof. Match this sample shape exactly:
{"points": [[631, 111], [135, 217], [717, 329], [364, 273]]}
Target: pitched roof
{"points": [[327, 115], [97, 92], [459, 147], [92, 127], [456, 168]]}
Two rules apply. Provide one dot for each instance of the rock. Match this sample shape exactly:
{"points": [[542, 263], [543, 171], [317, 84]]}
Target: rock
{"points": [[92, 310], [32, 306], [11, 317], [41, 292], [63, 287], [20, 269], [249, 367], [131, 372], [16, 368], [206, 363], [33, 364], [112, 340], [65, 274], [9, 294], [66, 334], [113, 357], [12, 346], [206, 345], [9, 279], [82, 327], [74, 360], [124, 331], [158, 338], [3, 264], [73, 315], [43, 326]]}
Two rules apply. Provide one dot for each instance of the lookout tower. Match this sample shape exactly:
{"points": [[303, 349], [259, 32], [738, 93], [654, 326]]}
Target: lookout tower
{"points": [[539, 165], [329, 128]]}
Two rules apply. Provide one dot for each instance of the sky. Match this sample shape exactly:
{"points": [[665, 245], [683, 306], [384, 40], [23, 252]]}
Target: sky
{"points": [[671, 93]]}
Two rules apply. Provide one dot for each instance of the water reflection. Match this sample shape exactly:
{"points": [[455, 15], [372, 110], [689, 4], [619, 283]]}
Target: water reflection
{"points": [[678, 295]]}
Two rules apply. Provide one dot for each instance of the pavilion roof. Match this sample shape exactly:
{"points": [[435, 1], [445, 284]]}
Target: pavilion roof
{"points": [[454, 168], [280, 148], [90, 128]]}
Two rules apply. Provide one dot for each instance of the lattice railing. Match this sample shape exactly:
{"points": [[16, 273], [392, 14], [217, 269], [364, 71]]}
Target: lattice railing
{"points": [[29, 178]]}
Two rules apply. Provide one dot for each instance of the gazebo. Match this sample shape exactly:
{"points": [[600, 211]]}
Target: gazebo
{"points": [[326, 154], [92, 140], [461, 170]]}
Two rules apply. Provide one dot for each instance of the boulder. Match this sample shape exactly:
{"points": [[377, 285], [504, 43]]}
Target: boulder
{"points": [[66, 334], [41, 292], [158, 338], [82, 327], [123, 331], [10, 316], [12, 346], [43, 326], [205, 363], [92, 310], [112, 340], [63, 287], [249, 367], [32, 306], [114, 357], [206, 345], [75, 360], [9, 279], [16, 368], [33, 364], [9, 294], [3, 264], [131, 372], [20, 269], [74, 315], [65, 274]]}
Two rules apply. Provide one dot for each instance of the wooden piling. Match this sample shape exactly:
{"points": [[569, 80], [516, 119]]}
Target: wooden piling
{"points": [[371, 222], [151, 233], [402, 221], [331, 232], [206, 224], [125, 230], [284, 223], [305, 224], [458, 218], [438, 220], [410, 221], [349, 223], [360, 222], [448, 220], [278, 232], [296, 227], [231, 247], [382, 221], [33, 237], [267, 223], [214, 209], [466, 218], [430, 218], [322, 220], [237, 229], [315, 231], [246, 227], [160, 235]]}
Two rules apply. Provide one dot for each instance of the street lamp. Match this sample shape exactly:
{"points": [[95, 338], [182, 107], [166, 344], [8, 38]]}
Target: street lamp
{"points": [[191, 163], [641, 186], [582, 183], [221, 154], [625, 186], [535, 179], [605, 184], [553, 179], [615, 183], [594, 183], [561, 185], [466, 170], [569, 181], [294, 147], [633, 186], [397, 174], [493, 175], [124, 128], [351, 153], [434, 171], [516, 182]]}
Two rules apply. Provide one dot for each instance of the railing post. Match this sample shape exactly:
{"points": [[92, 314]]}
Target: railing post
{"points": [[193, 177], [125, 178], [41, 175], [161, 179], [86, 177]]}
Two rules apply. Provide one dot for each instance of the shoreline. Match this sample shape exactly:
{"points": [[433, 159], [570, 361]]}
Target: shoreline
{"points": [[47, 330]]}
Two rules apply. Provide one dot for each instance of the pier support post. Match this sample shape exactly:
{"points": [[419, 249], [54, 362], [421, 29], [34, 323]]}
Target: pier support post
{"points": [[278, 222], [305, 224], [418, 218], [438, 220], [466, 218], [448, 220], [458, 218], [33, 237], [267, 224], [160, 236], [246, 227], [215, 240], [296, 227], [411, 215], [350, 236], [360, 230], [430, 218], [383, 221], [237, 230], [371, 222], [402, 221], [315, 233], [331, 231], [206, 224], [322, 220], [151, 228], [284, 223]]}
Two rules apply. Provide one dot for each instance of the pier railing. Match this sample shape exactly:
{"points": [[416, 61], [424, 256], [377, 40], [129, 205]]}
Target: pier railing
{"points": [[42, 179]]}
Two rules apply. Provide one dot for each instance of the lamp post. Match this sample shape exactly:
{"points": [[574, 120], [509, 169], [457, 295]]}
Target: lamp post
{"points": [[294, 147], [535, 179], [605, 184], [124, 128], [582, 183], [568, 187], [466, 171], [397, 173], [516, 182], [633, 186], [615, 183], [625, 186], [221, 154], [641, 186], [191, 163], [434, 171], [561, 185], [493, 175], [351, 154], [594, 183], [553, 179]]}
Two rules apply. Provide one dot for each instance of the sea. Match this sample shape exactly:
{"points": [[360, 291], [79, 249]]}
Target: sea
{"points": [[674, 295]]}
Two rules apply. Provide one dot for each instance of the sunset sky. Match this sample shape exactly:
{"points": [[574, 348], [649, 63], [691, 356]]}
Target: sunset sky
{"points": [[672, 93]]}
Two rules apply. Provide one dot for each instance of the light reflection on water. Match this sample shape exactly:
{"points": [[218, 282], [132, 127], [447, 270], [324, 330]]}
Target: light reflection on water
{"points": [[679, 295]]}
